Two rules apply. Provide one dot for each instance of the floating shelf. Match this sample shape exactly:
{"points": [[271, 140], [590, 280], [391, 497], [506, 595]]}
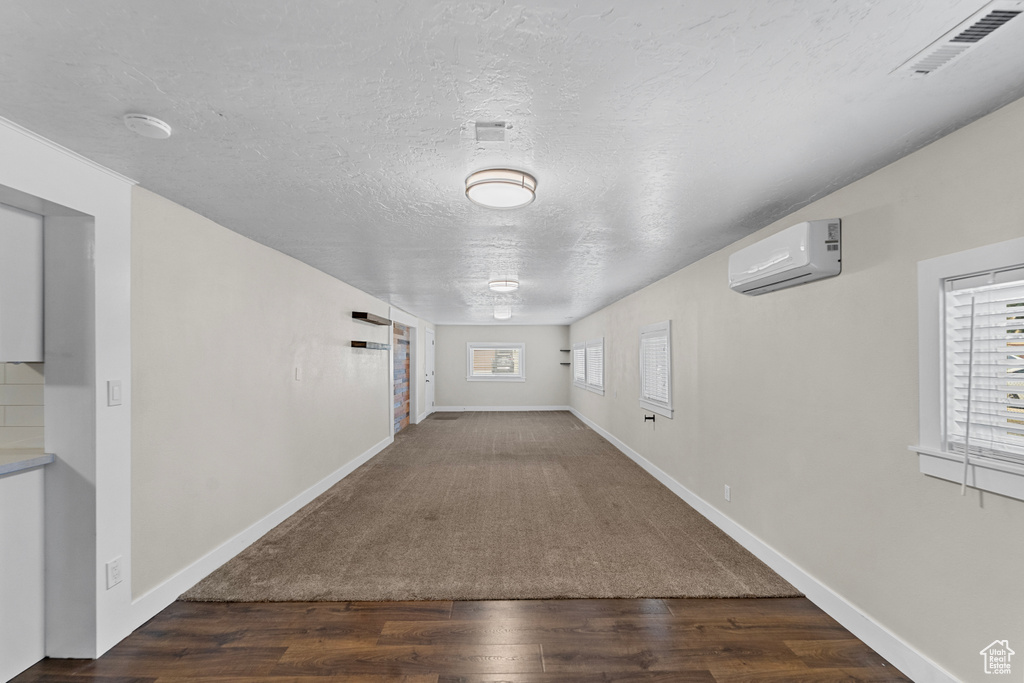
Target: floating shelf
{"points": [[370, 318], [370, 345], [565, 363], [565, 350]]}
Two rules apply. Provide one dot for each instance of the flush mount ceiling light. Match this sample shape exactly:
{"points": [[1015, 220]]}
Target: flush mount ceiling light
{"points": [[501, 188], [147, 126], [503, 285], [502, 312]]}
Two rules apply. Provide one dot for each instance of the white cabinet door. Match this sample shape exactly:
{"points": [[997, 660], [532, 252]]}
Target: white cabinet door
{"points": [[21, 285]]}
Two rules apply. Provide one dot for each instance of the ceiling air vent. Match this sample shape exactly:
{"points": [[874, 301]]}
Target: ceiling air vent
{"points": [[491, 131], [964, 37]]}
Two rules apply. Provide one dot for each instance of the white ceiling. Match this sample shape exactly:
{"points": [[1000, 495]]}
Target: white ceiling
{"points": [[341, 132]]}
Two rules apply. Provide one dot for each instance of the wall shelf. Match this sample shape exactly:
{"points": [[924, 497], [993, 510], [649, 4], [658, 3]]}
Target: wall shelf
{"points": [[565, 363], [370, 345], [370, 318]]}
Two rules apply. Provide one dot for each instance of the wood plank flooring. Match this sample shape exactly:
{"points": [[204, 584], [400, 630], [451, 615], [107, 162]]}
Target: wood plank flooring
{"points": [[521, 641]]}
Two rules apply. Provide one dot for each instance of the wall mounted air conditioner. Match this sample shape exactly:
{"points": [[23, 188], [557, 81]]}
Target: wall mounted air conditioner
{"points": [[803, 253]]}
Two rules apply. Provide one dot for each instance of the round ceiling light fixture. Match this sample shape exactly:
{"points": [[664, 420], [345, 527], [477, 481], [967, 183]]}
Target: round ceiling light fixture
{"points": [[502, 312], [147, 126], [501, 188], [503, 285]]}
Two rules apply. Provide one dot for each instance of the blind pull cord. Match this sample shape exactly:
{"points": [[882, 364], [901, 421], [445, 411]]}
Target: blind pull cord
{"points": [[970, 381]]}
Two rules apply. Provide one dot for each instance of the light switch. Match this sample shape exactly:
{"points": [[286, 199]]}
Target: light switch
{"points": [[114, 392]]}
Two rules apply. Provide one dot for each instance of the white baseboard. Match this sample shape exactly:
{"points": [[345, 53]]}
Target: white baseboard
{"points": [[900, 654], [149, 605], [495, 409]]}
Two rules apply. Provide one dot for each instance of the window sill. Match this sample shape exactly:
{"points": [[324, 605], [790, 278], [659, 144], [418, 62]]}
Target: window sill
{"points": [[987, 474], [495, 379], [655, 408]]}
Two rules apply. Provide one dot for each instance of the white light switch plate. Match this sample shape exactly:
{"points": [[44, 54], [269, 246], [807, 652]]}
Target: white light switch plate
{"points": [[114, 392]]}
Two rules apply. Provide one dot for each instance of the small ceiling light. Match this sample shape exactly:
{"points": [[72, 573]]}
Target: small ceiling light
{"points": [[147, 126], [502, 312], [501, 188], [503, 285]]}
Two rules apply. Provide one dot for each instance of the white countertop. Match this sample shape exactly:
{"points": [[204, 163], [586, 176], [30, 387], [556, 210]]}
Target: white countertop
{"points": [[18, 459]]}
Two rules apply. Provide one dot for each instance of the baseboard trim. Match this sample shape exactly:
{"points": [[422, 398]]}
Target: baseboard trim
{"points": [[145, 607], [495, 409], [900, 654]]}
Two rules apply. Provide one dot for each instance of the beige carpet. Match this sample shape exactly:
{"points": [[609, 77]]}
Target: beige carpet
{"points": [[491, 506]]}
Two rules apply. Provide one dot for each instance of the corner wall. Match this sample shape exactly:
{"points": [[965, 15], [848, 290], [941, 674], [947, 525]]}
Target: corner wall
{"points": [[223, 432], [805, 400], [547, 382]]}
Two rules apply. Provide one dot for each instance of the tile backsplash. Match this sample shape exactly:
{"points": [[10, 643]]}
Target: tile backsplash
{"points": [[21, 405]]}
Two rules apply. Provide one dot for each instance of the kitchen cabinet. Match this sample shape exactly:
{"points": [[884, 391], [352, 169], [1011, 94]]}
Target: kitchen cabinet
{"points": [[21, 286]]}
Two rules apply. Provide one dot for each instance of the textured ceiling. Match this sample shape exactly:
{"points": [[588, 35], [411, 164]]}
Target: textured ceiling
{"points": [[341, 132]]}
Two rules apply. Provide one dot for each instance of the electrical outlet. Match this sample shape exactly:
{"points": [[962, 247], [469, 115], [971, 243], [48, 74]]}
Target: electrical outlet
{"points": [[728, 493], [114, 572]]}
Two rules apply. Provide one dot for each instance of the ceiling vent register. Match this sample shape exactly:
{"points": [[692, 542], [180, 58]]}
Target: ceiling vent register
{"points": [[964, 37]]}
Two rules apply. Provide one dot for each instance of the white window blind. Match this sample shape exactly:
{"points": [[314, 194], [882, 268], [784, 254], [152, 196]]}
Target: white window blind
{"points": [[495, 361], [588, 365], [595, 365], [656, 368], [984, 357], [579, 364]]}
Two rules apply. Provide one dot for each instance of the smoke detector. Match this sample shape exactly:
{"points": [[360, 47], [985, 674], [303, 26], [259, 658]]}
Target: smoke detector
{"points": [[147, 126], [963, 38]]}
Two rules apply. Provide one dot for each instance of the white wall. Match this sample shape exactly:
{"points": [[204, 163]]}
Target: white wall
{"points": [[87, 494], [804, 401], [546, 382], [223, 433]]}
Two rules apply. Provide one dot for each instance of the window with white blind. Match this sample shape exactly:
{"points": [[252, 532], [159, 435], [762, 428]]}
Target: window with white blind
{"points": [[985, 365], [588, 365], [579, 365], [495, 362], [656, 368], [595, 365], [971, 371]]}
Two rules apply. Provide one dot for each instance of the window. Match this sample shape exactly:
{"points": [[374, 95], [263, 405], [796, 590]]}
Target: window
{"points": [[595, 366], [656, 368], [971, 337], [495, 362], [588, 365], [579, 365]]}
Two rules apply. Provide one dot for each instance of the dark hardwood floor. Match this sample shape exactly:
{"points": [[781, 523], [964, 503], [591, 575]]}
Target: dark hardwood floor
{"points": [[781, 639]]}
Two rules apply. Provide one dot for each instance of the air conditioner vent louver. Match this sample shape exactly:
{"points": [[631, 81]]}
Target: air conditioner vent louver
{"points": [[962, 38], [988, 23]]}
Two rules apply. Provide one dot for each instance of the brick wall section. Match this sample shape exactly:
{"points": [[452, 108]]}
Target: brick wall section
{"points": [[401, 348], [21, 405]]}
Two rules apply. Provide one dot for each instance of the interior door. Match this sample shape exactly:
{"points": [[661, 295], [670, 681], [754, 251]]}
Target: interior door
{"points": [[429, 371]]}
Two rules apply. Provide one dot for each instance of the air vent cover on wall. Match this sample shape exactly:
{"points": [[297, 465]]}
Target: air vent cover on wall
{"points": [[961, 39]]}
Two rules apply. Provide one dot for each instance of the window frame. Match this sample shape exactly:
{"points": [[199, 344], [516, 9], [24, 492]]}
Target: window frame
{"points": [[583, 349], [664, 408], [517, 346], [579, 379], [984, 473], [588, 346]]}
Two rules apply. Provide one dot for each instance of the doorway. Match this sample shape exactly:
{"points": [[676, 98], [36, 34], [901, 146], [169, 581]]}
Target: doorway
{"points": [[401, 341], [429, 371]]}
